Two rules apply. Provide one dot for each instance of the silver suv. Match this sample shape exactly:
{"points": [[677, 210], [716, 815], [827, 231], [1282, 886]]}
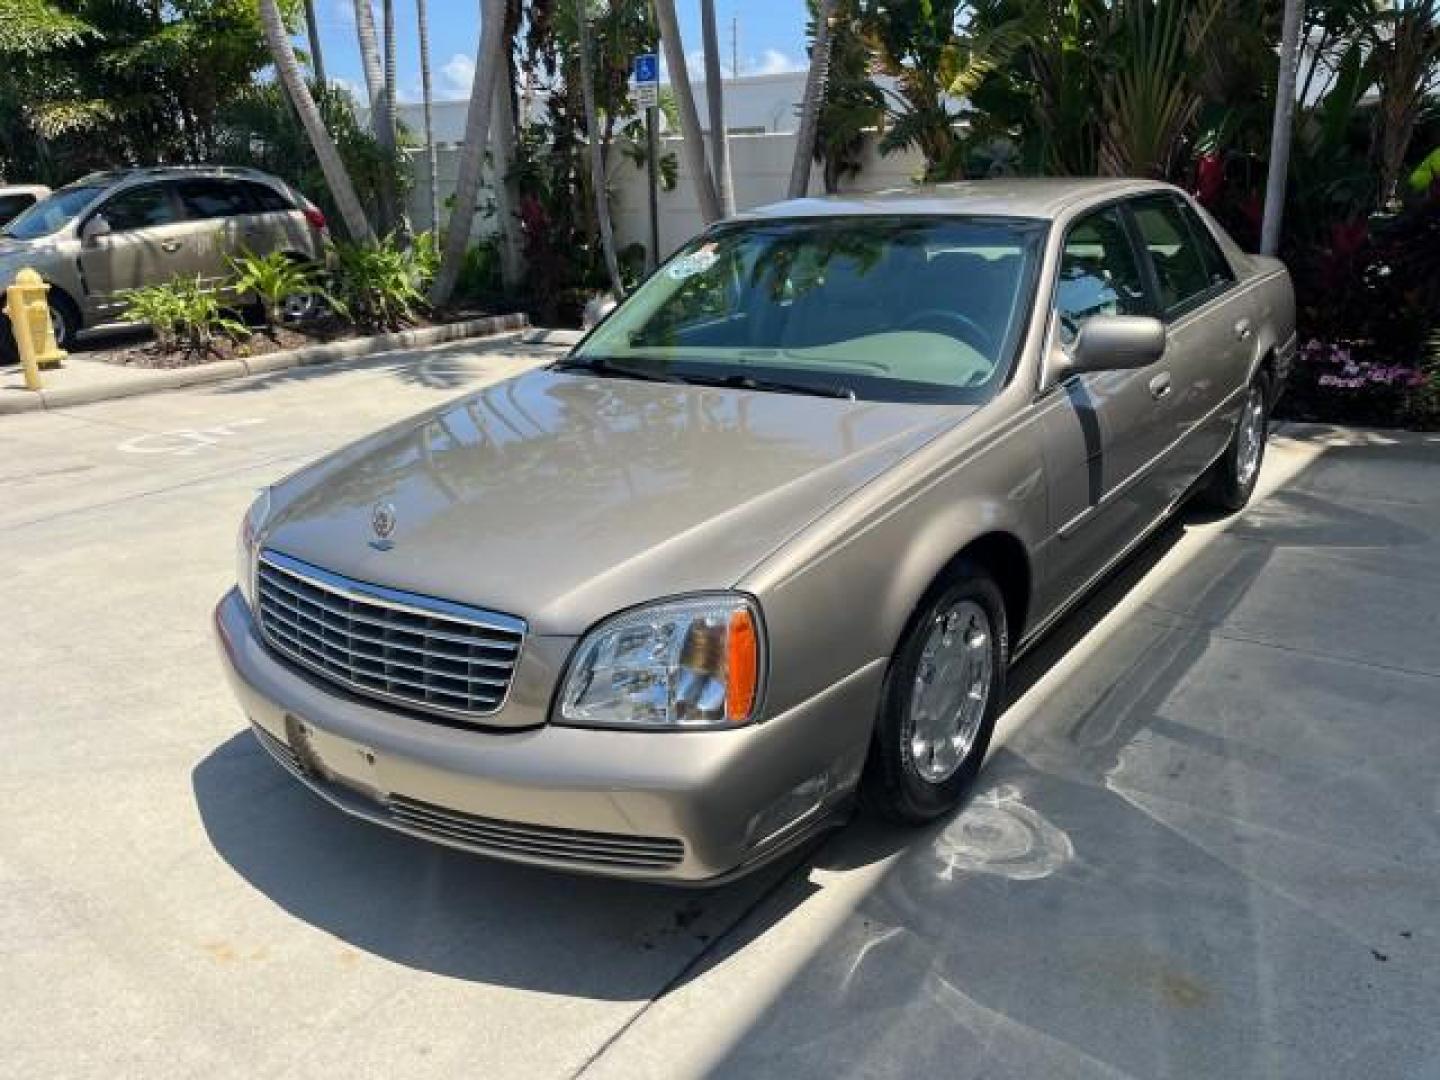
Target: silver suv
{"points": [[112, 231]]}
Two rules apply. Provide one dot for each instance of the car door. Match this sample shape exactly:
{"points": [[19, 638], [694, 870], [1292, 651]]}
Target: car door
{"points": [[145, 244], [1208, 329], [1102, 431], [220, 216]]}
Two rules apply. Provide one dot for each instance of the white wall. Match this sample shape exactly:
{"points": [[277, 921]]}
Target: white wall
{"points": [[760, 165]]}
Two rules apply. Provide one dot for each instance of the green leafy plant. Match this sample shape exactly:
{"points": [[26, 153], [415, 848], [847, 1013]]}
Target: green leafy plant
{"points": [[382, 286], [183, 313], [277, 281]]}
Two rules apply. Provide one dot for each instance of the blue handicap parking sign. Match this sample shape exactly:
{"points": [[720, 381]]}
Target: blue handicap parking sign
{"points": [[647, 68]]}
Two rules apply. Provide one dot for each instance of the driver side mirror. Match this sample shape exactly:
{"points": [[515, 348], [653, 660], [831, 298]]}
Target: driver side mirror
{"points": [[1111, 343], [95, 228]]}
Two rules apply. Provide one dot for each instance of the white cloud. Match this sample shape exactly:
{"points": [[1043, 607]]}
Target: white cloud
{"points": [[773, 62], [457, 76]]}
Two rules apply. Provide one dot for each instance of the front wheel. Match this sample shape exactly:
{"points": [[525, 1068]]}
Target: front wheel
{"points": [[945, 688], [1233, 478]]}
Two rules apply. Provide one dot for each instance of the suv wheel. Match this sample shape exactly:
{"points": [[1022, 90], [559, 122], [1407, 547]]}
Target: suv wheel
{"points": [[944, 690], [64, 321]]}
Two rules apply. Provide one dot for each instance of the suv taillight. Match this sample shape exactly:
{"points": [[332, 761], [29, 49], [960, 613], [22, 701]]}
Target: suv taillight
{"points": [[314, 218]]}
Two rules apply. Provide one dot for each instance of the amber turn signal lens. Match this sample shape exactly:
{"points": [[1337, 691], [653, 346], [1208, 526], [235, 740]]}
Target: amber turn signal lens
{"points": [[742, 666]]}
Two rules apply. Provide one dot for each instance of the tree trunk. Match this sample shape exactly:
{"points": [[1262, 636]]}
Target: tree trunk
{"points": [[691, 140], [597, 161], [490, 57], [427, 98], [312, 29], [337, 179], [815, 80], [715, 105], [381, 121], [1281, 130], [507, 191]]}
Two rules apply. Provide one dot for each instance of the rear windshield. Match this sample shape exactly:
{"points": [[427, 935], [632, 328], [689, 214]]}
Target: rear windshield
{"points": [[889, 308], [53, 213]]}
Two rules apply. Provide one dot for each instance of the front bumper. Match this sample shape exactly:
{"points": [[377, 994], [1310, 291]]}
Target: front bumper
{"points": [[693, 807]]}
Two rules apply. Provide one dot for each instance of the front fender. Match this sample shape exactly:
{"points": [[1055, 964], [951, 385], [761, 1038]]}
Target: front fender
{"points": [[839, 595]]}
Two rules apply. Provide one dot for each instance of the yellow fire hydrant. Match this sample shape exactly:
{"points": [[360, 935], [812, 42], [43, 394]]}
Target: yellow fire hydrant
{"points": [[29, 313]]}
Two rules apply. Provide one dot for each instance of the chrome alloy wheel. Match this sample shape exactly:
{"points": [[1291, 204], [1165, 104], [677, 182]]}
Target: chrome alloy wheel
{"points": [[951, 690], [1251, 437]]}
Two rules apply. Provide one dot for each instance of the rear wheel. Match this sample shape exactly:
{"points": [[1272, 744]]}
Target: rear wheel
{"points": [[1233, 477], [64, 321], [942, 695]]}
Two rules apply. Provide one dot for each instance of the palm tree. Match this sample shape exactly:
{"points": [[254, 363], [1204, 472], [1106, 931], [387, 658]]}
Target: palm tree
{"points": [[597, 160], [427, 99], [814, 98], [715, 102], [378, 86], [312, 29], [1280, 133], [690, 140], [507, 188], [336, 177], [490, 57]]}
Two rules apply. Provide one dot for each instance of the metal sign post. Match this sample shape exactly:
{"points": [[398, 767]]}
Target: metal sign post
{"points": [[647, 97]]}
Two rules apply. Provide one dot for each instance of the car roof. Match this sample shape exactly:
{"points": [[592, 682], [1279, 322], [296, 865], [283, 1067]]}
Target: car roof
{"points": [[166, 172], [1040, 198]]}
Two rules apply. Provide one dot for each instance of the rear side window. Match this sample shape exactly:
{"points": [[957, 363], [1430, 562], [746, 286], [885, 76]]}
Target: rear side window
{"points": [[1179, 266], [1099, 272], [10, 205], [265, 200], [141, 207], [213, 198], [1216, 265]]}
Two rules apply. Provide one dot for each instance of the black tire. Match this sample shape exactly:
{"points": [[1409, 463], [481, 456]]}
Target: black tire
{"points": [[1231, 482], [893, 786], [65, 320]]}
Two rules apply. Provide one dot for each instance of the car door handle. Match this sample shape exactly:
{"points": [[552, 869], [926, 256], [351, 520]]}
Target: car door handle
{"points": [[171, 246], [1242, 329], [1160, 385]]}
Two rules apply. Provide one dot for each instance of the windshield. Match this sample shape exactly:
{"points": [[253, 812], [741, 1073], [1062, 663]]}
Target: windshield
{"points": [[901, 309], [52, 214]]}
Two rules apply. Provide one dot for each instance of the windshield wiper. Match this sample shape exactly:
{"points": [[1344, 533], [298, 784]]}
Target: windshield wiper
{"points": [[780, 386], [602, 365]]}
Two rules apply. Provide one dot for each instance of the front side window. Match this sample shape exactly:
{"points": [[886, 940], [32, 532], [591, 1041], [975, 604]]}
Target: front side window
{"points": [[886, 308], [142, 207], [207, 198], [1179, 268], [1099, 273], [52, 213]]}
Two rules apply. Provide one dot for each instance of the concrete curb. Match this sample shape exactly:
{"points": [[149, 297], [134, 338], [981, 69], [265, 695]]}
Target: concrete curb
{"points": [[224, 370]]}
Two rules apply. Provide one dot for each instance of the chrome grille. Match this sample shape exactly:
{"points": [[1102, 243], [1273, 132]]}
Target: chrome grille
{"points": [[490, 836], [419, 651]]}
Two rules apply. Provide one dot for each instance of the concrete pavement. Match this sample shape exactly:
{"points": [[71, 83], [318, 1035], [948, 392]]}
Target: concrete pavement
{"points": [[1206, 845]]}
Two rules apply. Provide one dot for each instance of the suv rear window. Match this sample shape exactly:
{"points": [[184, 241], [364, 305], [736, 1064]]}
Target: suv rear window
{"points": [[213, 198], [265, 200]]}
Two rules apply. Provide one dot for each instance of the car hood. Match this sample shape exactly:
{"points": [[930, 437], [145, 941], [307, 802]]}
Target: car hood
{"points": [[562, 498]]}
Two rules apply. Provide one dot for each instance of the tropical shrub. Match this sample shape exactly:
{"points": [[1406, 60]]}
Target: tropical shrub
{"points": [[184, 313], [382, 286], [274, 279]]}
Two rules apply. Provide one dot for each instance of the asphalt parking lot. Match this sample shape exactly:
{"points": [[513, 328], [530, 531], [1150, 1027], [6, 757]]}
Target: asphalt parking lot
{"points": [[1207, 844]]}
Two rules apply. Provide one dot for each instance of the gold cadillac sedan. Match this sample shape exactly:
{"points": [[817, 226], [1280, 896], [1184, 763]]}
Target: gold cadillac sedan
{"points": [[767, 540]]}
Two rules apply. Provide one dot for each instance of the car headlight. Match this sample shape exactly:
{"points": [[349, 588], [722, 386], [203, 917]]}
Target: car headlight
{"points": [[247, 546], [684, 664]]}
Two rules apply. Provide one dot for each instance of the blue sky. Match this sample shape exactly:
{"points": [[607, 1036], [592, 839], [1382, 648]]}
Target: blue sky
{"points": [[771, 38]]}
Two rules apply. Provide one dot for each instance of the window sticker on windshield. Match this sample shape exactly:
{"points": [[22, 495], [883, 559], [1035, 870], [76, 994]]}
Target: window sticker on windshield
{"points": [[697, 262]]}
